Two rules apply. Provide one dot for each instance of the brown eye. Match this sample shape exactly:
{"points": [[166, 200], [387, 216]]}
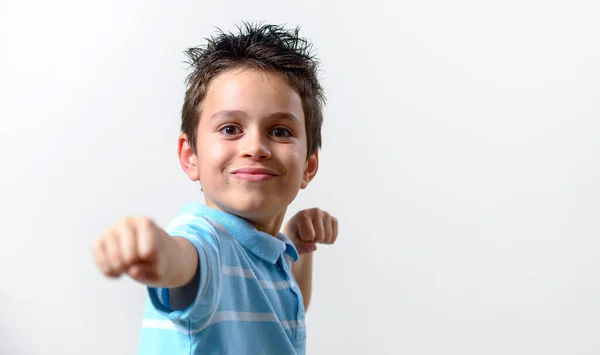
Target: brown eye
{"points": [[280, 132], [229, 130]]}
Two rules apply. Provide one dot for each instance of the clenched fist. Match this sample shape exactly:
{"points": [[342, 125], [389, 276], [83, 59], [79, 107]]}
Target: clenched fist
{"points": [[135, 246], [309, 227]]}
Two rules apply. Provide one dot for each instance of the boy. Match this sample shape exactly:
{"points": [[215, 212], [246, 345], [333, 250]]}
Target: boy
{"points": [[220, 277]]}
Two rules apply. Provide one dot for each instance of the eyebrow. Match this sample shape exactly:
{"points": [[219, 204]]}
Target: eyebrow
{"points": [[239, 114]]}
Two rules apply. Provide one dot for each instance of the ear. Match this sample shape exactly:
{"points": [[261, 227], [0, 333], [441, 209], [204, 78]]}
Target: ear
{"points": [[312, 166], [187, 157]]}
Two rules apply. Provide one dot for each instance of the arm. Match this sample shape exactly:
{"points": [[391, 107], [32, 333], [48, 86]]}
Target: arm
{"points": [[138, 247], [182, 258], [302, 270], [305, 229]]}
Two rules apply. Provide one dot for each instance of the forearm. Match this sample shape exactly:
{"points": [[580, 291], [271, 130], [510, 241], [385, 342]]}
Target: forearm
{"points": [[180, 263], [302, 270]]}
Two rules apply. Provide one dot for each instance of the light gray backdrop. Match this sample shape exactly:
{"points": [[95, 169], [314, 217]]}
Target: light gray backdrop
{"points": [[461, 155]]}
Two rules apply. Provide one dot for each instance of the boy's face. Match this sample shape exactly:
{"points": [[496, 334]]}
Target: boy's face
{"points": [[251, 145]]}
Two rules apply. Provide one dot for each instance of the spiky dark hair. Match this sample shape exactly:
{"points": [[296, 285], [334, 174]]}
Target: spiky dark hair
{"points": [[259, 46]]}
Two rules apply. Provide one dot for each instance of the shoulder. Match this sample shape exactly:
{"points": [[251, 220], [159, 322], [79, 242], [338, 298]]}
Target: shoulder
{"points": [[195, 226]]}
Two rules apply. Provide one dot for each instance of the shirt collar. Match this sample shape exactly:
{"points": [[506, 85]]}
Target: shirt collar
{"points": [[259, 243]]}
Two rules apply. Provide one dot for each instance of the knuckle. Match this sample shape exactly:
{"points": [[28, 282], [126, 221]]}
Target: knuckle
{"points": [[308, 237], [128, 258], [117, 264], [148, 236], [114, 238], [105, 267], [307, 218], [148, 251], [124, 222], [145, 222]]}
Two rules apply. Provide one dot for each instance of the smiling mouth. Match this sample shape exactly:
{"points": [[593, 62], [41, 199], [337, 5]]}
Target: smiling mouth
{"points": [[254, 174]]}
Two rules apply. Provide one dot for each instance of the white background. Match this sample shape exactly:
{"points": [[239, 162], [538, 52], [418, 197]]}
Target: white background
{"points": [[461, 155]]}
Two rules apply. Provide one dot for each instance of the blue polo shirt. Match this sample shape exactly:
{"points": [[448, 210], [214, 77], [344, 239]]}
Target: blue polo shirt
{"points": [[247, 301]]}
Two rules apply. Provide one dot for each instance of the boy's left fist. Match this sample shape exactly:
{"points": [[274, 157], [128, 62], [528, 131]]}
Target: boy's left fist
{"points": [[309, 227]]}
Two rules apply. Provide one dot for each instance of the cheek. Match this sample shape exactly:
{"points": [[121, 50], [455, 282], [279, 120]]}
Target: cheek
{"points": [[295, 163], [215, 155], [210, 163]]}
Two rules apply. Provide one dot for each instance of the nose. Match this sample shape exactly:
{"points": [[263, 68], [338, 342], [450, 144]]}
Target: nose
{"points": [[255, 146]]}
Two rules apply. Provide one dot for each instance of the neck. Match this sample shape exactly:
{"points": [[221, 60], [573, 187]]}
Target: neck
{"points": [[270, 225], [267, 224]]}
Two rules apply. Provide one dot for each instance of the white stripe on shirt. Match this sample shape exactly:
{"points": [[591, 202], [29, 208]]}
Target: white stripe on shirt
{"points": [[224, 317], [248, 273]]}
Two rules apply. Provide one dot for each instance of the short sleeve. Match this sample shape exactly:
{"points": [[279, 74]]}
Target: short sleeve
{"points": [[204, 238]]}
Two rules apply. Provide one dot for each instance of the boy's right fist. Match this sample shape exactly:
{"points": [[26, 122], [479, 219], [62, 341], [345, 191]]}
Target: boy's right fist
{"points": [[133, 246]]}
